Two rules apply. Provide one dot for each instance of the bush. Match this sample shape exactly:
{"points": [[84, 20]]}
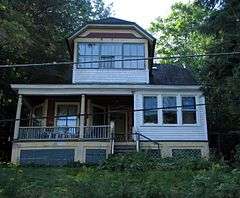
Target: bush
{"points": [[143, 162], [237, 154]]}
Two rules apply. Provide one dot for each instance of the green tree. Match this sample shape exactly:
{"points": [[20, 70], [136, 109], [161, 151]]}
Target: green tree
{"points": [[178, 34], [34, 31], [221, 76]]}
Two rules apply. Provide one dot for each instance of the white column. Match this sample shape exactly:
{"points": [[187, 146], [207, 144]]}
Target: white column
{"points": [[88, 112], [18, 117], [82, 116]]}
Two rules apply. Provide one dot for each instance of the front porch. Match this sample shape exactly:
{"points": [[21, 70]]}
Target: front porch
{"points": [[84, 117]]}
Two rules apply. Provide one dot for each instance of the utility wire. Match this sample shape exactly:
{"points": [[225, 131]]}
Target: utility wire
{"points": [[109, 112], [118, 60]]}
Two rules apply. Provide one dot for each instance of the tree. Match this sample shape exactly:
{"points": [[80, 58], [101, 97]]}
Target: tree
{"points": [[178, 34], [221, 76], [207, 26], [33, 31]]}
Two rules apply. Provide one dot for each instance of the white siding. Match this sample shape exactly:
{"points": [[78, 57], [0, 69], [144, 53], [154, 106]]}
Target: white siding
{"points": [[166, 132], [110, 76]]}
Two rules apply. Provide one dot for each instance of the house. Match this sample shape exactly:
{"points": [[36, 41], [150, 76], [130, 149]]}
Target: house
{"points": [[118, 101]]}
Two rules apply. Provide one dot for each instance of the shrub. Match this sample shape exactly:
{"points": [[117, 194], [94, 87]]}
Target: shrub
{"points": [[143, 162]]}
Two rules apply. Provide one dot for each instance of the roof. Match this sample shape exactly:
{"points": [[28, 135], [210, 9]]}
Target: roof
{"points": [[167, 74], [109, 22]]}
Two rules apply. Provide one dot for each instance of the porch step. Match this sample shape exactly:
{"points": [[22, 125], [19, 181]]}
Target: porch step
{"points": [[124, 148]]}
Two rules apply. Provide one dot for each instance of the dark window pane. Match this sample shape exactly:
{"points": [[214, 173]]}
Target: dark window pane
{"points": [[189, 117], [188, 103], [169, 102], [150, 116], [170, 117]]}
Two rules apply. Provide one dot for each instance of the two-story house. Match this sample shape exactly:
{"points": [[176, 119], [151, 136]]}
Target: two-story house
{"points": [[118, 101]]}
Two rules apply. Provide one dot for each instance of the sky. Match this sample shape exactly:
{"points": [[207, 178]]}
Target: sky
{"points": [[142, 11]]}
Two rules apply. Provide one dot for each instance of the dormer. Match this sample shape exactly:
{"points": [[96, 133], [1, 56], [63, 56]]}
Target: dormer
{"points": [[105, 43]]}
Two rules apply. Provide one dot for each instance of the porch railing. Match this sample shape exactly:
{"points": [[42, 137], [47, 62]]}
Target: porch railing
{"points": [[64, 132], [97, 132]]}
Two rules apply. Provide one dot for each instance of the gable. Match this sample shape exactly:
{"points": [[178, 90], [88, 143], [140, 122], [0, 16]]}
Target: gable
{"points": [[112, 28]]}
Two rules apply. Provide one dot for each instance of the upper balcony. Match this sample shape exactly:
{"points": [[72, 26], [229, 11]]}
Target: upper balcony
{"points": [[111, 51]]}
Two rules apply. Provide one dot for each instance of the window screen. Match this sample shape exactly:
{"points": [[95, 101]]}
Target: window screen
{"points": [[188, 110], [170, 110], [150, 111]]}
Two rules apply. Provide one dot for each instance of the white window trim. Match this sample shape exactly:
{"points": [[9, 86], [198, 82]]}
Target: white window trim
{"points": [[66, 103], [149, 124], [196, 110], [177, 109], [100, 54]]}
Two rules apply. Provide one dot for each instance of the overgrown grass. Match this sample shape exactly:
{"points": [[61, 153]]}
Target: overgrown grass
{"points": [[121, 177]]}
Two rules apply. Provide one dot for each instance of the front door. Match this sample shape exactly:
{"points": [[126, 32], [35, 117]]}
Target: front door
{"points": [[119, 119]]}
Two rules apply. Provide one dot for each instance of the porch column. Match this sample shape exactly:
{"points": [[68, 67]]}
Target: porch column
{"points": [[82, 116], [18, 117]]}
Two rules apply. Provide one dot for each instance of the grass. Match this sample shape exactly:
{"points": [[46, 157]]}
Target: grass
{"points": [[121, 177], [87, 182]]}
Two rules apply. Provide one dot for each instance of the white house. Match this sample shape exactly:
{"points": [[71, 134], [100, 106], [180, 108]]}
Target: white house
{"points": [[114, 104]]}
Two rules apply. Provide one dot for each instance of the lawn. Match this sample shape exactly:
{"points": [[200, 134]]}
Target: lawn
{"points": [[189, 181]]}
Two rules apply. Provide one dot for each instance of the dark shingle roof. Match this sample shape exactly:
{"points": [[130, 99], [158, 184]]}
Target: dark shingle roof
{"points": [[111, 20], [166, 74], [114, 21]]}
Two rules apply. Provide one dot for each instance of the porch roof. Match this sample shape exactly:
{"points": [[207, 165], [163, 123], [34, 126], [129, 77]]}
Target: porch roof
{"points": [[96, 89]]}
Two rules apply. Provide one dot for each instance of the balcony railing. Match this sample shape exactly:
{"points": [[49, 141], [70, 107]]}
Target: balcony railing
{"points": [[64, 132]]}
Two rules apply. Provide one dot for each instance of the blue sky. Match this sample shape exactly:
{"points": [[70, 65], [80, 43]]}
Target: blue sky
{"points": [[142, 11]]}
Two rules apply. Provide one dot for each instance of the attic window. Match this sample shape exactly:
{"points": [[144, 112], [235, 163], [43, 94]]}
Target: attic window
{"points": [[112, 53]]}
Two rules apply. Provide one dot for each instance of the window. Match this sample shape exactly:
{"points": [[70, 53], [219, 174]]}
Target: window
{"points": [[37, 117], [67, 115], [169, 110], [150, 111], [108, 53], [88, 52], [133, 51], [188, 110]]}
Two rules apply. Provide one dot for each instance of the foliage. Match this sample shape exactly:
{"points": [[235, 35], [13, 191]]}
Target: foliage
{"points": [[33, 31], [142, 162], [221, 74], [207, 26], [215, 181], [178, 34]]}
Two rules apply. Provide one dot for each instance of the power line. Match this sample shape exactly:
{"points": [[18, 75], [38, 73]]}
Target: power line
{"points": [[118, 60], [109, 112]]}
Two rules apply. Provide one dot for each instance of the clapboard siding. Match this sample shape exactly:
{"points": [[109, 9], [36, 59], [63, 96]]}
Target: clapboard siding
{"points": [[177, 132], [110, 76]]}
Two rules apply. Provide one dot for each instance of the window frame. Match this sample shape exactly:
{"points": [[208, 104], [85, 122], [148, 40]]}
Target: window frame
{"points": [[150, 123], [195, 110], [170, 109], [66, 103], [100, 55]]}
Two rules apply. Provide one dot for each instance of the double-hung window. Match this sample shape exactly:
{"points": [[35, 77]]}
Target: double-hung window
{"points": [[134, 55], [66, 115], [188, 110], [169, 110], [88, 52], [150, 109], [111, 55]]}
